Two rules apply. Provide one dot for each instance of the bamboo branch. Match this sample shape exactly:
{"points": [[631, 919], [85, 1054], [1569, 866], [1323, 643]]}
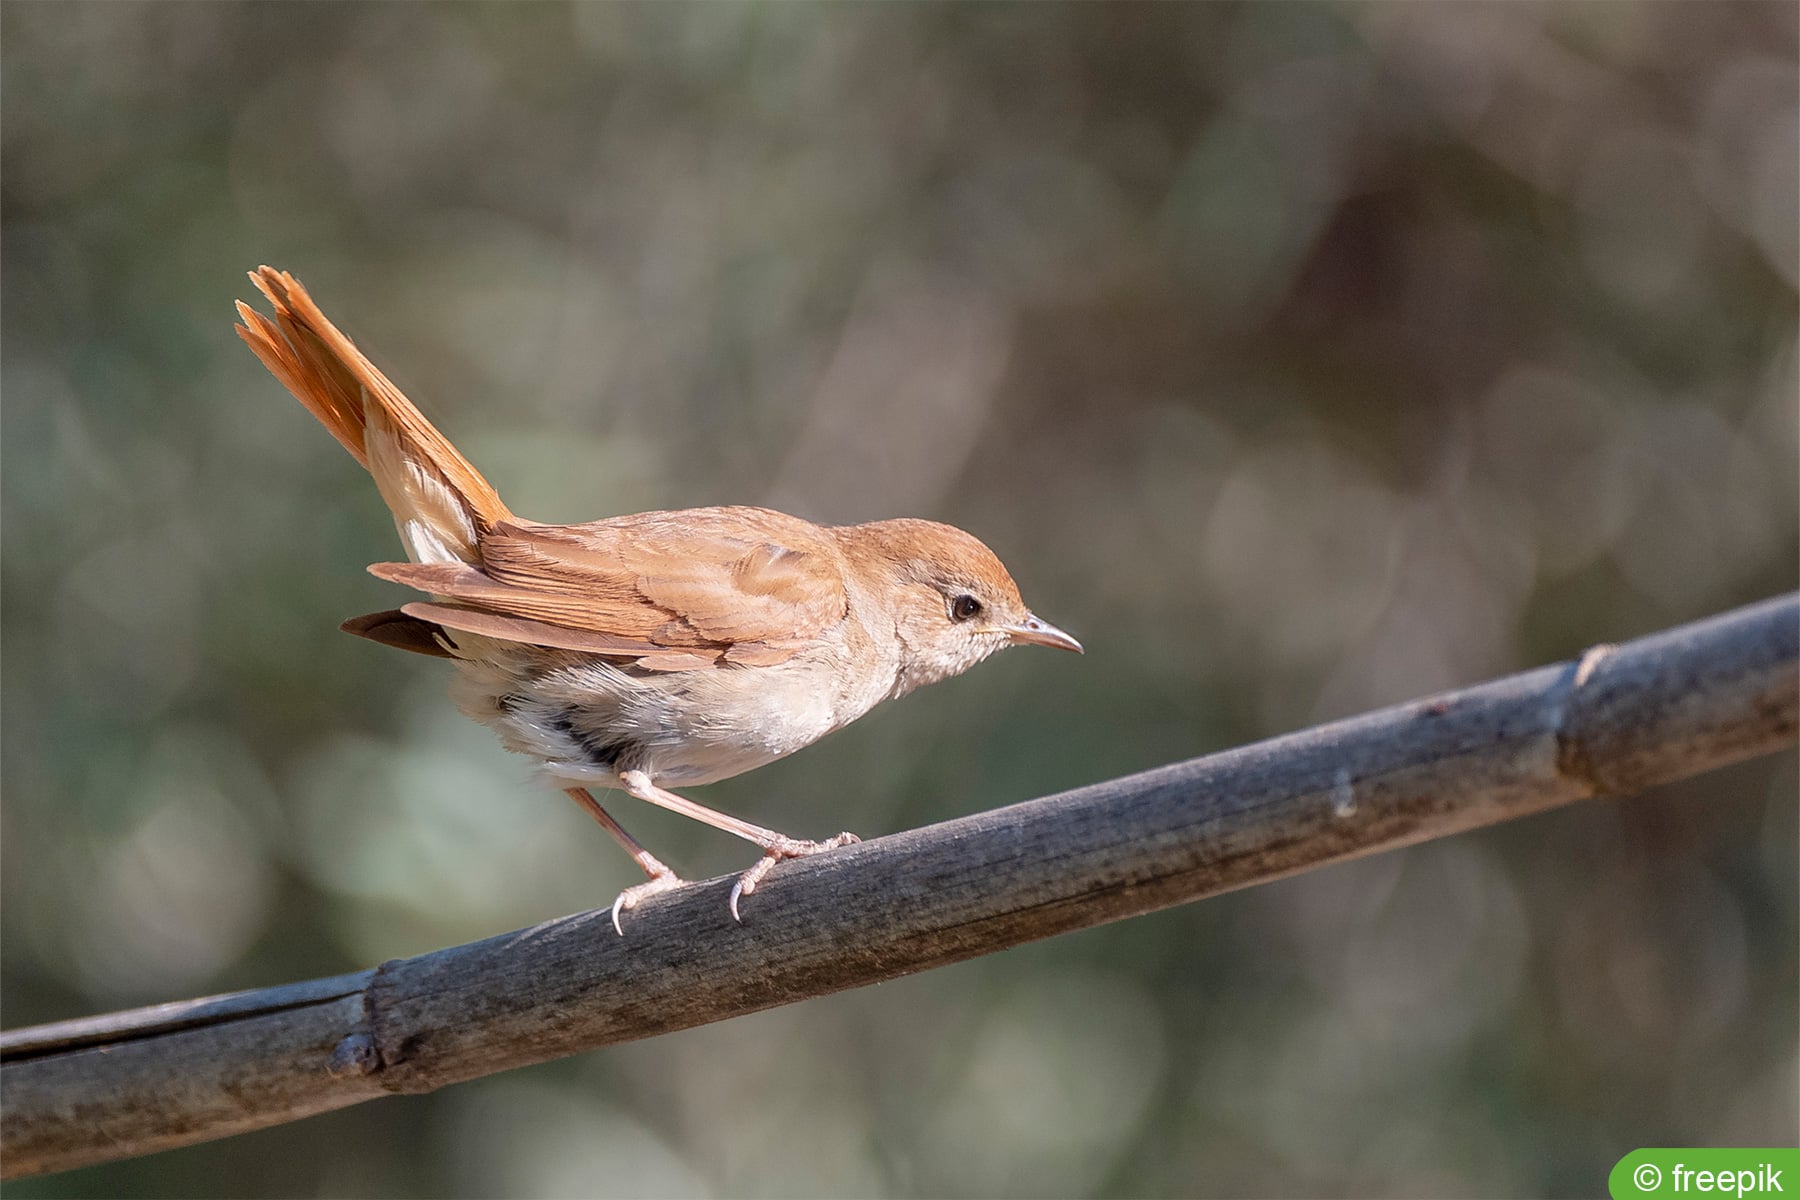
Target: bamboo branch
{"points": [[1621, 719]]}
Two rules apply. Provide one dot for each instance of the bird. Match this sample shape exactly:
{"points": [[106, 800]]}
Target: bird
{"points": [[651, 650]]}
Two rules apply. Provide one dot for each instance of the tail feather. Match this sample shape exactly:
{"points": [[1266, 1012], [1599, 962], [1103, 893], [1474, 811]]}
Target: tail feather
{"points": [[441, 503]]}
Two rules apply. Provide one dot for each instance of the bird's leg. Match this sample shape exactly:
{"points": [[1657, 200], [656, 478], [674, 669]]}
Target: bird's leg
{"points": [[775, 846], [651, 865], [662, 879]]}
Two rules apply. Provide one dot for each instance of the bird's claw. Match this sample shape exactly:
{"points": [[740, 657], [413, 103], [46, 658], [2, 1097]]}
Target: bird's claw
{"points": [[628, 899], [785, 848]]}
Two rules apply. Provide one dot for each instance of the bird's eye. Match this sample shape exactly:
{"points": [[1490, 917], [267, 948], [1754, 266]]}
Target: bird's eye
{"points": [[964, 607]]}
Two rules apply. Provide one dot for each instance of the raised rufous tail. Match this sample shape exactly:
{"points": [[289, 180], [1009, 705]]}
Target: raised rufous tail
{"points": [[441, 504]]}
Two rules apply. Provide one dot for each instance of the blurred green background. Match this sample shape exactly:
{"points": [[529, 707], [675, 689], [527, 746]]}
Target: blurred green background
{"points": [[1298, 358]]}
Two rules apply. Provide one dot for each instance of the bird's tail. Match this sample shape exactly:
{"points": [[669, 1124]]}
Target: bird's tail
{"points": [[441, 504]]}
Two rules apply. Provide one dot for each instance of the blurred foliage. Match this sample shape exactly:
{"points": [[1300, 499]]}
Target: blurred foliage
{"points": [[1299, 358]]}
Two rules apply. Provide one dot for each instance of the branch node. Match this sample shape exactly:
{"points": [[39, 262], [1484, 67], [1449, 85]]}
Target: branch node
{"points": [[1572, 760], [385, 1051], [355, 1055]]}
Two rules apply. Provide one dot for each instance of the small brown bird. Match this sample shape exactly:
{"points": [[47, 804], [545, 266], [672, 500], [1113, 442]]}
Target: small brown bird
{"points": [[664, 648]]}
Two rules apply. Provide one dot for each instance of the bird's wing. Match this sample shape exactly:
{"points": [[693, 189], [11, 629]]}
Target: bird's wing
{"points": [[673, 590]]}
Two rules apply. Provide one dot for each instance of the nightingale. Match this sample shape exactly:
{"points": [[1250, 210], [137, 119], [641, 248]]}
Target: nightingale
{"points": [[645, 651]]}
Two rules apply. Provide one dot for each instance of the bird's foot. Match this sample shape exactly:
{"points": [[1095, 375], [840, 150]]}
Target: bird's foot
{"points": [[663, 881], [785, 848]]}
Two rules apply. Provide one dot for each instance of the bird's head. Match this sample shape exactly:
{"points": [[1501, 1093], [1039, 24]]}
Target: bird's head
{"points": [[953, 602]]}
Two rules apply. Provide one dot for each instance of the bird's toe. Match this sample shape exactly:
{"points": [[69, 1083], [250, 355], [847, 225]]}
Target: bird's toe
{"points": [[785, 848], [632, 896]]}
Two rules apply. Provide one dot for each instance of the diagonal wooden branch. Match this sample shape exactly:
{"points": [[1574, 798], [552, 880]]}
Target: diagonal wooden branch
{"points": [[1621, 719]]}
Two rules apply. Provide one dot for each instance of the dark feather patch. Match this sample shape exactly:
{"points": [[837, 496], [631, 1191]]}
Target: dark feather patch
{"points": [[394, 628]]}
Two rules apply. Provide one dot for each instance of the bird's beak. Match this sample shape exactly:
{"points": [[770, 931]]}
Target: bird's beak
{"points": [[1035, 632]]}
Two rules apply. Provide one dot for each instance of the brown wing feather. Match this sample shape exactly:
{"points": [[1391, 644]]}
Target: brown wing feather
{"points": [[740, 585], [399, 630], [539, 633]]}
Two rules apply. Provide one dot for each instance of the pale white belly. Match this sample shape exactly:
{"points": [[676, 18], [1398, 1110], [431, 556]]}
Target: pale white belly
{"points": [[586, 720]]}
